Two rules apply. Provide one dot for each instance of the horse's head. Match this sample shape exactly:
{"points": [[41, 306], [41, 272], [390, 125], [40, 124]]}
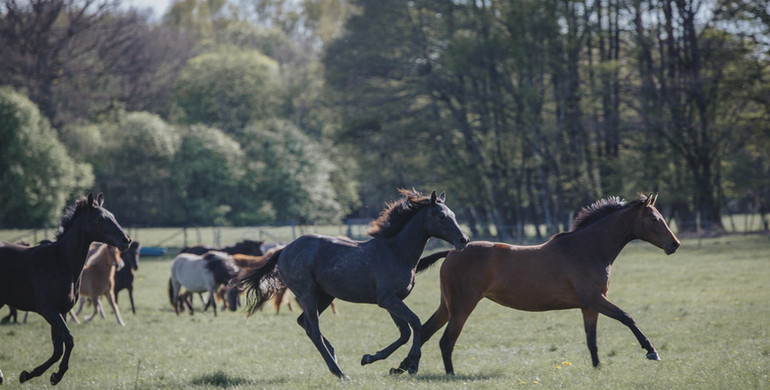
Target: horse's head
{"points": [[131, 255], [102, 226], [441, 222], [231, 296], [650, 226]]}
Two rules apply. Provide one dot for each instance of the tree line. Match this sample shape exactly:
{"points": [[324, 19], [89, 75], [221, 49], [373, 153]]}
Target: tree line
{"points": [[251, 111]]}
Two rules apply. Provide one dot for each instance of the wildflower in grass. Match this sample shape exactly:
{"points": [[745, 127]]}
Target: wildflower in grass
{"points": [[535, 382], [566, 363], [521, 382], [558, 367]]}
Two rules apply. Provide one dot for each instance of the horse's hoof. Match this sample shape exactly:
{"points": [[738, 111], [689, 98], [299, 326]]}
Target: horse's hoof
{"points": [[396, 371], [367, 359], [24, 376], [1, 377], [413, 370], [55, 378], [653, 356]]}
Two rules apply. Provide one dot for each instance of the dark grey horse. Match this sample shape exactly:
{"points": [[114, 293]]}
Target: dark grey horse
{"points": [[381, 270]]}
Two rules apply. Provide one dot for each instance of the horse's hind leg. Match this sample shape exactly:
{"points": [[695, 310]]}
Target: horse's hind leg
{"points": [[60, 336], [130, 298], [310, 323], [403, 328], [324, 302]]}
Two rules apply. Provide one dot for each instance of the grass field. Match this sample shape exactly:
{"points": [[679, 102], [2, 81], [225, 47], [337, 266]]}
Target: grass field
{"points": [[705, 308]]}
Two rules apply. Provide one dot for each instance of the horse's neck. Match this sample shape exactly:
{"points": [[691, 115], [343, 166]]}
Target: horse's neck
{"points": [[411, 240], [73, 247], [608, 236]]}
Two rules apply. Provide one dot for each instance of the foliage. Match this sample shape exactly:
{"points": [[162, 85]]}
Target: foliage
{"points": [[292, 175], [229, 89], [37, 174]]}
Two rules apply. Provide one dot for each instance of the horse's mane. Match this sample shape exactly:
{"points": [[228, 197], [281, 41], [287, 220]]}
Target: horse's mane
{"points": [[69, 216], [600, 209], [397, 214]]}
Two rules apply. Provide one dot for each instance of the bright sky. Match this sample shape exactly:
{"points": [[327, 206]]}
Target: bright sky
{"points": [[159, 7]]}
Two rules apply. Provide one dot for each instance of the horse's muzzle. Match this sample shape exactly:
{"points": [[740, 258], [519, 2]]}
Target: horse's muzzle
{"points": [[672, 247], [462, 243]]}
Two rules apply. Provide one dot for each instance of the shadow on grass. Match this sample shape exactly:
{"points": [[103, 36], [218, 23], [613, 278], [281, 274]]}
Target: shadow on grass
{"points": [[223, 380], [455, 378]]}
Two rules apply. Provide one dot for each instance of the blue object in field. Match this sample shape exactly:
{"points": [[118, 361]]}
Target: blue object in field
{"points": [[152, 251]]}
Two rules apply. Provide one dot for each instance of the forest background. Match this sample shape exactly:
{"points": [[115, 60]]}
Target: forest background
{"points": [[245, 112]]}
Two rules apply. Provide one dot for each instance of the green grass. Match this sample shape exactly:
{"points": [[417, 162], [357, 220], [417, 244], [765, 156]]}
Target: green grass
{"points": [[705, 308]]}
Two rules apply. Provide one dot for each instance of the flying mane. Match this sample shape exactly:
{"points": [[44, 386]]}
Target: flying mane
{"points": [[600, 209], [69, 216], [397, 214]]}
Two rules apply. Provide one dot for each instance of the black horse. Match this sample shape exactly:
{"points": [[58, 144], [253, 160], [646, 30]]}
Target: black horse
{"points": [[46, 278], [382, 270], [124, 277]]}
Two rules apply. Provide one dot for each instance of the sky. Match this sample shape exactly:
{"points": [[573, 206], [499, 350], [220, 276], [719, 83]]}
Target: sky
{"points": [[158, 6]]}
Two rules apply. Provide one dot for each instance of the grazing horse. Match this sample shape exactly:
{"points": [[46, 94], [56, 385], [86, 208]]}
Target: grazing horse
{"points": [[570, 271], [98, 278], [200, 274], [124, 277], [246, 247], [46, 278], [381, 271]]}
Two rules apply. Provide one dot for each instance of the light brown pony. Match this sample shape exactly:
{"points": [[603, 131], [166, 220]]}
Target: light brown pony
{"points": [[98, 279], [571, 270]]}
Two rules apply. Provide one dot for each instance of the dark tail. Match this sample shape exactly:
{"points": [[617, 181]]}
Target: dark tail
{"points": [[171, 293], [259, 284], [427, 261]]}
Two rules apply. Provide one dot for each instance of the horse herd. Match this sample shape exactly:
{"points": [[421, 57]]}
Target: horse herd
{"points": [[570, 270]]}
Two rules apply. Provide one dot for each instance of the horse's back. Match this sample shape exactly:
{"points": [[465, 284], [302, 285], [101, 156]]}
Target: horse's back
{"points": [[336, 265], [521, 277], [190, 271]]}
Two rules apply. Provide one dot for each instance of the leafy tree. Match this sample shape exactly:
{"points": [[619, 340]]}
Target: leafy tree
{"points": [[38, 176], [206, 170], [290, 175], [134, 168], [229, 89]]}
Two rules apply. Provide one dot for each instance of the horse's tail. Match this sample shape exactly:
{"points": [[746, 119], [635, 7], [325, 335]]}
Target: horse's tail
{"points": [[259, 283], [429, 260], [170, 292]]}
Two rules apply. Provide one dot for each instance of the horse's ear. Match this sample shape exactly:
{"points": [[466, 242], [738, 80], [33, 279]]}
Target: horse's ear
{"points": [[648, 201], [100, 199], [442, 197], [90, 198], [433, 197], [655, 199]]}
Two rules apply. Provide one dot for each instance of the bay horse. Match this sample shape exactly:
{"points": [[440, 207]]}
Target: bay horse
{"points": [[318, 269], [200, 274], [570, 271], [98, 278], [45, 279], [124, 277]]}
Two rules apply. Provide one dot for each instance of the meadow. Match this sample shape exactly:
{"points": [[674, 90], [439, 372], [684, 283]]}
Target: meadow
{"points": [[706, 309]]}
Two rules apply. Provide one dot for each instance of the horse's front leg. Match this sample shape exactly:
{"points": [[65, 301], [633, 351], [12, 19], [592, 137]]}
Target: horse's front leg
{"points": [[604, 306], [60, 336], [403, 328], [398, 309]]}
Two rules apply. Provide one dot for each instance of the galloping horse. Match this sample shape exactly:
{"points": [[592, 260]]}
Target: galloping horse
{"points": [[199, 274], [98, 278], [571, 270], [318, 269], [46, 278], [124, 277]]}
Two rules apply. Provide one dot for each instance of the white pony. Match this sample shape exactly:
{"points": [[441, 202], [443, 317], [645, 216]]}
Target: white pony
{"points": [[198, 274]]}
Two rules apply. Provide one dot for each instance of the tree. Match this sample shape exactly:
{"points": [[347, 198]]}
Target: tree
{"points": [[38, 176], [229, 89], [206, 170], [290, 177]]}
